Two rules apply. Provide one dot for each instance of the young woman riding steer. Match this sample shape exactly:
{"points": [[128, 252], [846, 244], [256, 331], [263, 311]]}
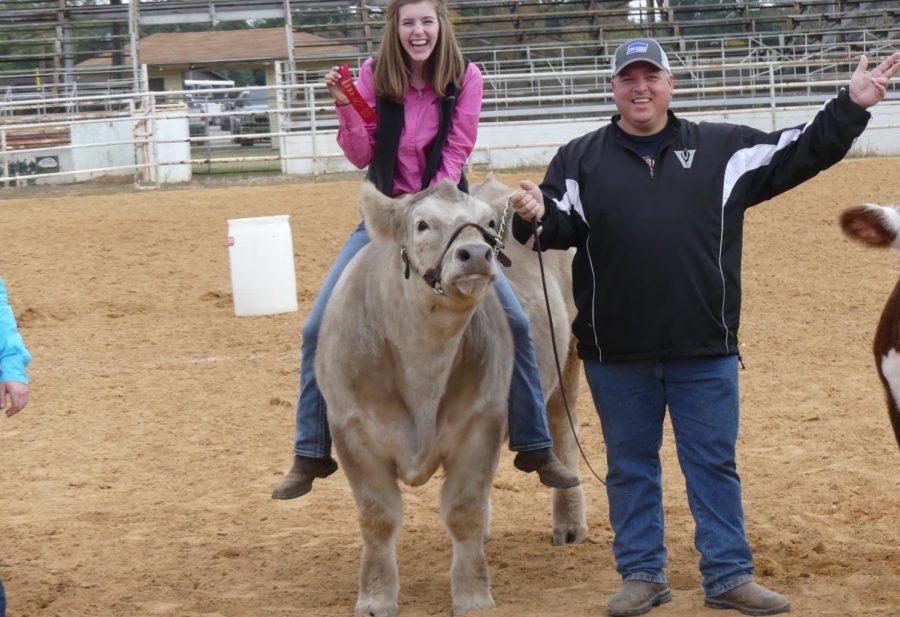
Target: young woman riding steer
{"points": [[428, 101]]}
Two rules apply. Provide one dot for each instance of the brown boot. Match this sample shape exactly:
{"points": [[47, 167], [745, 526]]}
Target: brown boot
{"points": [[299, 479], [751, 599], [637, 598], [550, 469]]}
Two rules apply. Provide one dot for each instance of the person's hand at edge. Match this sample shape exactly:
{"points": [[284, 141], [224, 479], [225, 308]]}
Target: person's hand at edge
{"points": [[868, 88], [18, 396]]}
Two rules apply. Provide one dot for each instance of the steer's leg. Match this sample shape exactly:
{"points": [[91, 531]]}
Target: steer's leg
{"points": [[465, 509], [379, 508], [569, 518]]}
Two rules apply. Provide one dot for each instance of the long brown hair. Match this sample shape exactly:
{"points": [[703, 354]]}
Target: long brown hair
{"points": [[444, 66]]}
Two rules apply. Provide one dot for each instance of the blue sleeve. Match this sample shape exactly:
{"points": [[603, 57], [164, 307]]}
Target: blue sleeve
{"points": [[13, 355]]}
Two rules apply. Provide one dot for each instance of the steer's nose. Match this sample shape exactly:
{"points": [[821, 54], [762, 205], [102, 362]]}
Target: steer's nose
{"points": [[471, 252]]}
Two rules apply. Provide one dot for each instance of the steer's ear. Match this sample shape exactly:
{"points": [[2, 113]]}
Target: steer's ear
{"points": [[871, 224], [492, 192], [385, 216]]}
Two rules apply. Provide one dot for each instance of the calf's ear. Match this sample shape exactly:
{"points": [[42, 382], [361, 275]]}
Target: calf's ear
{"points": [[871, 224], [385, 216], [494, 193]]}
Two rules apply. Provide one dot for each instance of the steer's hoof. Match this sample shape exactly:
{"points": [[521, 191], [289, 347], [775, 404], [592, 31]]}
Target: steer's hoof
{"points": [[473, 603], [569, 534], [376, 609]]}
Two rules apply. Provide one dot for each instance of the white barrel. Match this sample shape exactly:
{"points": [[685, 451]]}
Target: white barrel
{"points": [[261, 252]]}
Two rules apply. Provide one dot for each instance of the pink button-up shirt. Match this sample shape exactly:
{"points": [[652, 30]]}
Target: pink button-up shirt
{"points": [[421, 119]]}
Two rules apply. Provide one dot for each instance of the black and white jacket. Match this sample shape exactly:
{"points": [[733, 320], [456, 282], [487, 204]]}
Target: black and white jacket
{"points": [[657, 271]]}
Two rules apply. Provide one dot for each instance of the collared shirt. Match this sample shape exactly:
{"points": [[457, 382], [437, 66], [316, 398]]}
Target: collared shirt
{"points": [[421, 120], [13, 355]]}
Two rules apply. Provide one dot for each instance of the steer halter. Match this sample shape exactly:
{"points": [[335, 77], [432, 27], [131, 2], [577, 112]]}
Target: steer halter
{"points": [[432, 276]]}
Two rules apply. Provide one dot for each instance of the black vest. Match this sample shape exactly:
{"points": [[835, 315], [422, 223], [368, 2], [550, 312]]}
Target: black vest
{"points": [[387, 140]]}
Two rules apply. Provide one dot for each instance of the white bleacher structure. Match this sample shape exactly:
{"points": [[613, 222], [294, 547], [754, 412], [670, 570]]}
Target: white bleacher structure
{"points": [[545, 63]]}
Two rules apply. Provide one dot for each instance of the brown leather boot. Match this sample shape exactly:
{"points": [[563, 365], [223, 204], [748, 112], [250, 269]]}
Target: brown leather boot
{"points": [[299, 479], [637, 598], [751, 599], [550, 469]]}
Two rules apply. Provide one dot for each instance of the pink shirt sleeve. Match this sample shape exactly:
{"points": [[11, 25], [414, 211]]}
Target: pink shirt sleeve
{"points": [[464, 129], [355, 137]]}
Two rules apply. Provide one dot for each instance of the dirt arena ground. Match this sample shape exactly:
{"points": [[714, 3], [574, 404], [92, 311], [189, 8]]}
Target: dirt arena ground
{"points": [[137, 482]]}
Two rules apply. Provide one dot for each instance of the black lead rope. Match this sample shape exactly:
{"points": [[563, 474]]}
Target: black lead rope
{"points": [[562, 389]]}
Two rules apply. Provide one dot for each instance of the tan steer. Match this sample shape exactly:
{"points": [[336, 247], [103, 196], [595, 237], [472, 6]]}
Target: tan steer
{"points": [[415, 379]]}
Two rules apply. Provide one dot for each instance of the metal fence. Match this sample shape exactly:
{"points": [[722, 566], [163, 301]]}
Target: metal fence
{"points": [[161, 137]]}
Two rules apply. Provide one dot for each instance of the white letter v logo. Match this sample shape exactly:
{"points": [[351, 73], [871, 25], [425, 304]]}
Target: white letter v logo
{"points": [[686, 157]]}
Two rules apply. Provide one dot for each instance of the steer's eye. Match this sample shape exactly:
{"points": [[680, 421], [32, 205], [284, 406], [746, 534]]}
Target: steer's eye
{"points": [[492, 224], [421, 226]]}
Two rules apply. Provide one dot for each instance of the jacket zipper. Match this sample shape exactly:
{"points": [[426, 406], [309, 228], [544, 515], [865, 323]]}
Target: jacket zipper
{"points": [[650, 166]]}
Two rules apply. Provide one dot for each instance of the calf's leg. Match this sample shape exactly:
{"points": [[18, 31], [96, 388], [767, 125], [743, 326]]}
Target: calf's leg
{"points": [[379, 507], [465, 509], [569, 518]]}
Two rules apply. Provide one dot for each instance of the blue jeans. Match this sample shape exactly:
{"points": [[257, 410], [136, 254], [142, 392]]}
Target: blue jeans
{"points": [[2, 601], [702, 397], [528, 428]]}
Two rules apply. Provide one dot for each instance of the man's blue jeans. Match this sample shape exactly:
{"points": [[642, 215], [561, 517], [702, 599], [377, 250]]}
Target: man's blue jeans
{"points": [[2, 601], [702, 397], [528, 429]]}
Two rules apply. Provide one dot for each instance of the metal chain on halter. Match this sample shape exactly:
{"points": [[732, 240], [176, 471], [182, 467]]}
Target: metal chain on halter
{"points": [[498, 245]]}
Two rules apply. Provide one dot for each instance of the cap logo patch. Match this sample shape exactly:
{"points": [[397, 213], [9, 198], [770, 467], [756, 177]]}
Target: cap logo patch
{"points": [[636, 48]]}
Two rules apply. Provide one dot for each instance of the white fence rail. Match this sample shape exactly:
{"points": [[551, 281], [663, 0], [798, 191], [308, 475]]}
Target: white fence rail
{"points": [[166, 137]]}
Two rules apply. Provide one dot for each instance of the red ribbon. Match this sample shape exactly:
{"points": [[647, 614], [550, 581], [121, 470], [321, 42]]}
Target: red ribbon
{"points": [[359, 104]]}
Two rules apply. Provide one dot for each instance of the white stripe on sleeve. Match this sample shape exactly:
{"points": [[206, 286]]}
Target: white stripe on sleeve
{"points": [[571, 200]]}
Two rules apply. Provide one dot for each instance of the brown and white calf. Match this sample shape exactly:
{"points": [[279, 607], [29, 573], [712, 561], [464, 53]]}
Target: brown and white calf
{"points": [[879, 226]]}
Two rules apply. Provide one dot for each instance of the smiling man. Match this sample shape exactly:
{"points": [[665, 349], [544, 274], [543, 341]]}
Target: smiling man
{"points": [[654, 205], [642, 87]]}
